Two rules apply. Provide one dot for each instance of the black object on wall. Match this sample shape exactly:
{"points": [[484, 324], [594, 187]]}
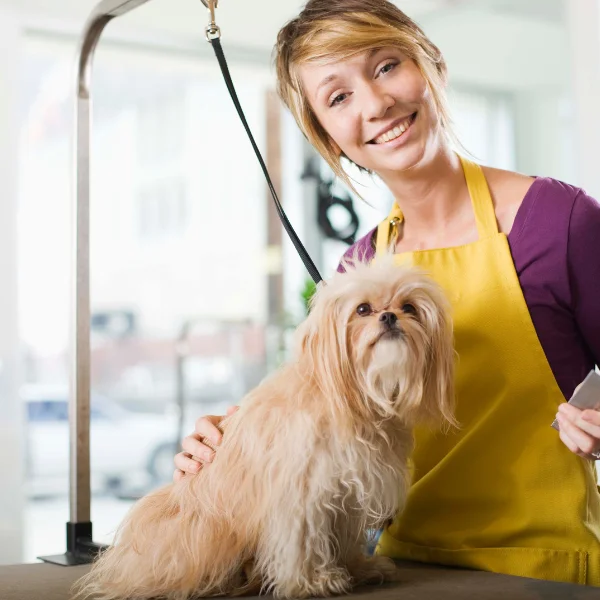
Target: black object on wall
{"points": [[326, 200]]}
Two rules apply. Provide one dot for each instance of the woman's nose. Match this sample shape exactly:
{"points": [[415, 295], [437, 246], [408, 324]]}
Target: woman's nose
{"points": [[377, 102]]}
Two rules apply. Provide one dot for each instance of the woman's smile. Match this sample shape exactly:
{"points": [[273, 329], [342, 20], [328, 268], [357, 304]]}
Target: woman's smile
{"points": [[398, 131]]}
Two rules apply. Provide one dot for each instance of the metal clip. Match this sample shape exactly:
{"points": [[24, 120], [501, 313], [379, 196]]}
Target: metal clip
{"points": [[395, 223], [212, 31]]}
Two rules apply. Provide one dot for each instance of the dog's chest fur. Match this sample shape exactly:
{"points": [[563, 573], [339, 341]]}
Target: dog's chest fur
{"points": [[366, 477]]}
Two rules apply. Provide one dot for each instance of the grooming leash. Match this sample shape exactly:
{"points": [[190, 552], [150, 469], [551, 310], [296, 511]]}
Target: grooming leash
{"points": [[213, 35]]}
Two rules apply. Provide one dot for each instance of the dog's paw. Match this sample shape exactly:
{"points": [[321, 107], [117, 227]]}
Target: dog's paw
{"points": [[375, 569], [324, 583], [336, 583]]}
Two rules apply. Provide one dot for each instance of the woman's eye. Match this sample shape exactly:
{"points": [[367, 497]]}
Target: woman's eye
{"points": [[338, 99], [364, 310], [409, 309], [387, 68]]}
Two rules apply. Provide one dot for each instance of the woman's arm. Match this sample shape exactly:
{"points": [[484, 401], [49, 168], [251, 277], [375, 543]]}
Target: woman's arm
{"points": [[583, 263], [580, 430]]}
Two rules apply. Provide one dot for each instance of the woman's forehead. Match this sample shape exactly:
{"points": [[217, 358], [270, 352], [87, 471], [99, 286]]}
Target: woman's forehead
{"points": [[316, 74]]}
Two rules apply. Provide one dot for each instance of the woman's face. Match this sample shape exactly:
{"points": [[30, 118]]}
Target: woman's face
{"points": [[376, 107]]}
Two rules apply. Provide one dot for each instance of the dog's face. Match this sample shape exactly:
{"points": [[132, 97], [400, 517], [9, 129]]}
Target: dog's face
{"points": [[380, 336]]}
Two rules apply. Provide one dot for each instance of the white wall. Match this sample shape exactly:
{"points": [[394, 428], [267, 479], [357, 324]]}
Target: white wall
{"points": [[504, 52], [584, 51], [544, 134], [528, 59], [11, 423]]}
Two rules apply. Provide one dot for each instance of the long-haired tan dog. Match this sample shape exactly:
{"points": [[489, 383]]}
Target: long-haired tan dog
{"points": [[316, 456]]}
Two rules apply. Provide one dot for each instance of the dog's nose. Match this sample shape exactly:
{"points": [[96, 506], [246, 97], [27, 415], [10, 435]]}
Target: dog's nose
{"points": [[388, 319]]}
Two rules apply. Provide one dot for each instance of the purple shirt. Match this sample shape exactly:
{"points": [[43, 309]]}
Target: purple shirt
{"points": [[555, 246]]}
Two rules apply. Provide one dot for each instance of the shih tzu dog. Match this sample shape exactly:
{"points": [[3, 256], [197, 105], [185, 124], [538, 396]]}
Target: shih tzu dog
{"points": [[316, 456]]}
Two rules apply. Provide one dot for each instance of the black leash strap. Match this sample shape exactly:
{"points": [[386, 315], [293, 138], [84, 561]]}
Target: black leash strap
{"points": [[212, 36]]}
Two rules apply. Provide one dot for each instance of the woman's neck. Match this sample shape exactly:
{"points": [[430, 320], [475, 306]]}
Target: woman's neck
{"points": [[432, 195]]}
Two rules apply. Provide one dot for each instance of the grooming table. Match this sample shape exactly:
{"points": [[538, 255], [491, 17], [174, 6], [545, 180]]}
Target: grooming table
{"points": [[422, 582]]}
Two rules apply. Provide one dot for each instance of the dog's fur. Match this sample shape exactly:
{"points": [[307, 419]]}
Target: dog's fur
{"points": [[316, 455]]}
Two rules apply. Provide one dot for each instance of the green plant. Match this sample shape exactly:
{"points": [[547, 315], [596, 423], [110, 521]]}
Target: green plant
{"points": [[307, 293]]}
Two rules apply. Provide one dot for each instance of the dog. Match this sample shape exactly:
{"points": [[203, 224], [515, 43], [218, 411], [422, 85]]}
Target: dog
{"points": [[316, 456]]}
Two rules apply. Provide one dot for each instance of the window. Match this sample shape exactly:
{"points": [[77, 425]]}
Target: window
{"points": [[47, 411], [484, 124], [162, 206], [177, 242]]}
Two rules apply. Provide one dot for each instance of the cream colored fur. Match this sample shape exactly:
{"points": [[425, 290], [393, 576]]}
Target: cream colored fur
{"points": [[317, 455]]}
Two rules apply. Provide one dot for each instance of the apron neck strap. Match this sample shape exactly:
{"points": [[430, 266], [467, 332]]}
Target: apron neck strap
{"points": [[387, 230], [481, 200]]}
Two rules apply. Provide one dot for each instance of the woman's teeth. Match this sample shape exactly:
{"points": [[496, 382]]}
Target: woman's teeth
{"points": [[394, 133]]}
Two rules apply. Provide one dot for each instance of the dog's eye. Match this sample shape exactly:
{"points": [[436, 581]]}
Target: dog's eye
{"points": [[409, 309], [364, 310]]}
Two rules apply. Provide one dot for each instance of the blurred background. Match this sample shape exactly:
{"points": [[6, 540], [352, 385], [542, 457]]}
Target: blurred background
{"points": [[195, 288]]}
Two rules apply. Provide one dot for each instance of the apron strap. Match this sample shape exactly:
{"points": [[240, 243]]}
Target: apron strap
{"points": [[386, 231], [481, 200]]}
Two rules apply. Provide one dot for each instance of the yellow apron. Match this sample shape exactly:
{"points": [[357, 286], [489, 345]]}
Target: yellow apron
{"points": [[503, 493]]}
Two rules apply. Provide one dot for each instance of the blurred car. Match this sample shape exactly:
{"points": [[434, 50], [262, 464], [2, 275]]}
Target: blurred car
{"points": [[129, 451]]}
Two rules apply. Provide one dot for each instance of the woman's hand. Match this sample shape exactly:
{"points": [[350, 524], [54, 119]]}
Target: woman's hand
{"points": [[580, 430], [195, 453]]}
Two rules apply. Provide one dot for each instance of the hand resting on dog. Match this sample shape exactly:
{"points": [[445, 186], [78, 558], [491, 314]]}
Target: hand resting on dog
{"points": [[195, 453]]}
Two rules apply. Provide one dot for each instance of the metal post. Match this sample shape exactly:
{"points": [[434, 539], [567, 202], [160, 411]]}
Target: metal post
{"points": [[80, 545]]}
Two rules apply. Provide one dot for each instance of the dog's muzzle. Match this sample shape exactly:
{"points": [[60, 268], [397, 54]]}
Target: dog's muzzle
{"points": [[388, 320], [389, 323]]}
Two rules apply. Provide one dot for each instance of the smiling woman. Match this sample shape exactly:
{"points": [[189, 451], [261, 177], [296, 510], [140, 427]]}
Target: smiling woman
{"points": [[332, 49], [365, 83], [519, 259]]}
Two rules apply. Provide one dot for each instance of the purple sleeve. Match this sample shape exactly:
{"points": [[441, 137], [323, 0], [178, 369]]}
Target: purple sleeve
{"points": [[584, 269], [361, 251]]}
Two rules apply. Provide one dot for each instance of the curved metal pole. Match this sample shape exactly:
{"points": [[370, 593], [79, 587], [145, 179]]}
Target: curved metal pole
{"points": [[80, 545], [80, 491]]}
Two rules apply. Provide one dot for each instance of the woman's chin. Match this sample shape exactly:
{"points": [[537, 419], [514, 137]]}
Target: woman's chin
{"points": [[402, 159]]}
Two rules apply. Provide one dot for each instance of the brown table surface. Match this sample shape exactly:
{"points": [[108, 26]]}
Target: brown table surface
{"points": [[423, 582]]}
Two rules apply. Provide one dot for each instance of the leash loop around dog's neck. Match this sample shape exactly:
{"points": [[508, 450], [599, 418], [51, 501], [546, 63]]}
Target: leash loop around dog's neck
{"points": [[213, 35]]}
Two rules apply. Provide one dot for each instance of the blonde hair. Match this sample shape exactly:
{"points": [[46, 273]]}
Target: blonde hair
{"points": [[329, 30]]}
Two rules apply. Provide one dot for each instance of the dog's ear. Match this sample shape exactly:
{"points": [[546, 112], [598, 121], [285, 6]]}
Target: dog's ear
{"points": [[438, 394], [322, 345]]}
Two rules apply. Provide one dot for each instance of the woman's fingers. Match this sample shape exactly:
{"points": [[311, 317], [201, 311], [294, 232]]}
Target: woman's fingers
{"points": [[569, 443], [188, 463], [579, 431], [207, 427], [195, 448], [195, 452], [589, 421]]}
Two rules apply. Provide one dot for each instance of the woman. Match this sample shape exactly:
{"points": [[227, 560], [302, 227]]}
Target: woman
{"points": [[519, 258]]}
